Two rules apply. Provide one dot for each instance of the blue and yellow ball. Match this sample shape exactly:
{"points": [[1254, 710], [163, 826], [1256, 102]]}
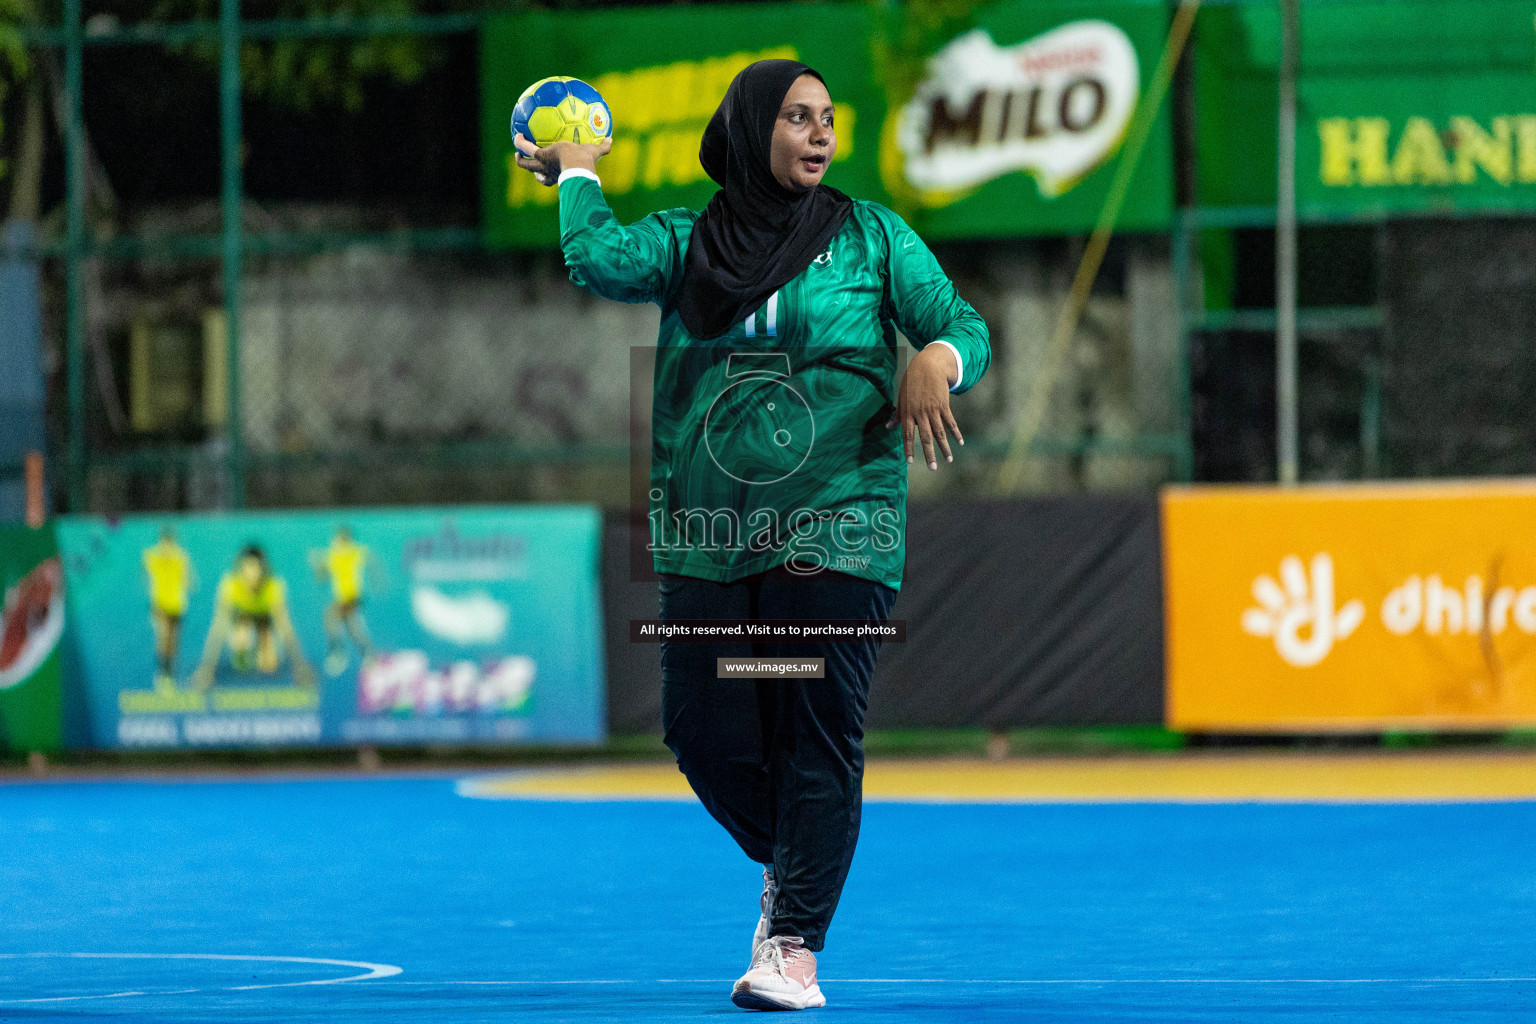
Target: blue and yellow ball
{"points": [[561, 109]]}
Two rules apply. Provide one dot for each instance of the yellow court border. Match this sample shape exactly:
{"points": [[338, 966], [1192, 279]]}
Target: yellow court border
{"points": [[1178, 778]]}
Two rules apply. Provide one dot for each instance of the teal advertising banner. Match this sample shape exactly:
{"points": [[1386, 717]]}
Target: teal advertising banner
{"points": [[355, 626], [31, 624]]}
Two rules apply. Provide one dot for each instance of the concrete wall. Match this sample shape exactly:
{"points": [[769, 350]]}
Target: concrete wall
{"points": [[356, 351], [351, 349], [21, 372], [359, 347]]}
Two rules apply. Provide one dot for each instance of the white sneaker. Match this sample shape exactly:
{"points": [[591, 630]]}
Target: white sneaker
{"points": [[770, 890], [783, 977]]}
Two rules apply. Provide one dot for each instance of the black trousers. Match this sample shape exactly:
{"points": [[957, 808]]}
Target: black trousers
{"points": [[778, 762]]}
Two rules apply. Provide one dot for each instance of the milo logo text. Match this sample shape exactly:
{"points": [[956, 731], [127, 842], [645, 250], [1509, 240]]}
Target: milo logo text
{"points": [[994, 117], [1055, 106]]}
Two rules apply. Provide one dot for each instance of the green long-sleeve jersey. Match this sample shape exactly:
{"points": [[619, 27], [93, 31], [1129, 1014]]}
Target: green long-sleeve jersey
{"points": [[769, 444]]}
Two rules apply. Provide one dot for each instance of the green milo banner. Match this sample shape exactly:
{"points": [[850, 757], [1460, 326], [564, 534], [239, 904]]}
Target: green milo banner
{"points": [[1009, 120], [355, 626], [31, 625], [1402, 106]]}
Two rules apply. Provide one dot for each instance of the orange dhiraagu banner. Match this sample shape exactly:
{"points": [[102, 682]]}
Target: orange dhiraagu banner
{"points": [[1351, 607]]}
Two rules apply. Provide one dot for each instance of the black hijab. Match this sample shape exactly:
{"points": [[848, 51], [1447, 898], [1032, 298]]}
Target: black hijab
{"points": [[755, 235]]}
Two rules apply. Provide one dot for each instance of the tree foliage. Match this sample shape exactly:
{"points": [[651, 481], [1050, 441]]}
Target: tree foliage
{"points": [[13, 56], [907, 31], [303, 73]]}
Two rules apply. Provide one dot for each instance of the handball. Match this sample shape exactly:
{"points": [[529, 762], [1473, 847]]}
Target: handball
{"points": [[561, 110]]}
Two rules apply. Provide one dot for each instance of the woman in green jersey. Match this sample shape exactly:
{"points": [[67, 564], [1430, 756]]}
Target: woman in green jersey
{"points": [[778, 485]]}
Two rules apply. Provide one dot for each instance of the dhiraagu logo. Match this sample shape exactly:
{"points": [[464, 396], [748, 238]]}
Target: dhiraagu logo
{"points": [[1297, 611]]}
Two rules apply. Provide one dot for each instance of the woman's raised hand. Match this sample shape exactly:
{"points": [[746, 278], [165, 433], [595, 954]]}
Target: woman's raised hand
{"points": [[547, 162], [922, 407]]}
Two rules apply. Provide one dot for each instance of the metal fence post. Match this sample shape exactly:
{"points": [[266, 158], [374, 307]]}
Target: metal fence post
{"points": [[74, 289], [1285, 252], [1183, 230], [229, 137]]}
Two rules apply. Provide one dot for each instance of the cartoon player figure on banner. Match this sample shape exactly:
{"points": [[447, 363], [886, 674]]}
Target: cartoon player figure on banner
{"points": [[345, 563], [251, 613], [171, 578]]}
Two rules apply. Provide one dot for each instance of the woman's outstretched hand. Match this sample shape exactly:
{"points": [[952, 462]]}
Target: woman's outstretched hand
{"points": [[922, 406], [547, 163]]}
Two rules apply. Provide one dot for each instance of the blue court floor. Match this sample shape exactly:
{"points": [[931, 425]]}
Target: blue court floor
{"points": [[256, 900]]}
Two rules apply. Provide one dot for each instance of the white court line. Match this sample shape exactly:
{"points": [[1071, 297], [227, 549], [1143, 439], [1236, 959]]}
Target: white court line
{"points": [[486, 787], [603, 981], [1004, 981], [1169, 981], [65, 999], [370, 971]]}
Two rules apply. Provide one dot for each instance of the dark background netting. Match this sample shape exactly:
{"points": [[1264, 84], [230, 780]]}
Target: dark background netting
{"points": [[1460, 347]]}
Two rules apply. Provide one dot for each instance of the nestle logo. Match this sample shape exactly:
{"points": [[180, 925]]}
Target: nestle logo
{"points": [[1070, 58]]}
